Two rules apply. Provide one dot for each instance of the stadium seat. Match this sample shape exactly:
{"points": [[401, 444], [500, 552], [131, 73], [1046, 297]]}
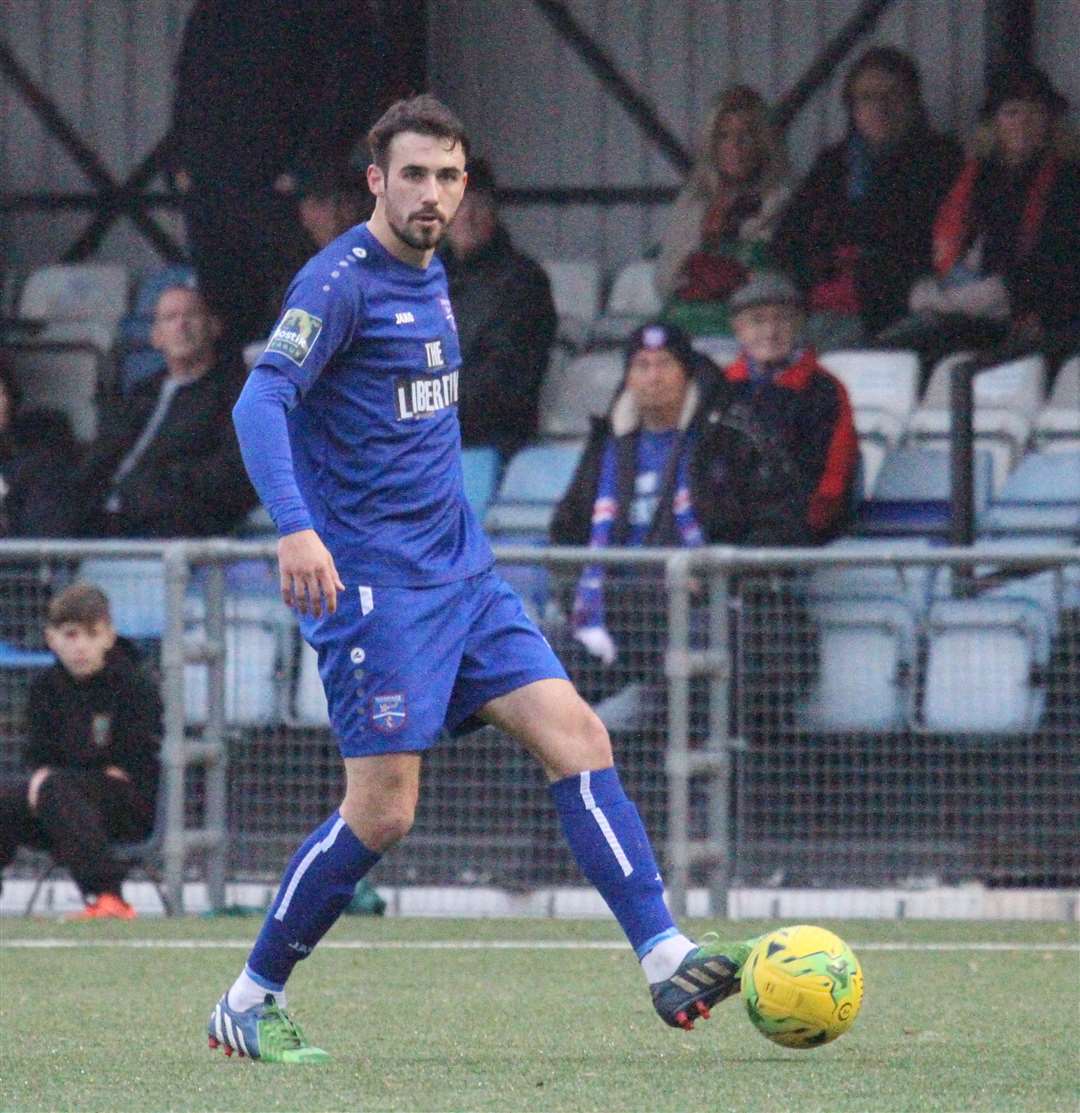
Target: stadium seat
{"points": [[80, 303], [1058, 422], [256, 632], [1007, 400], [633, 300], [582, 388], [912, 492], [883, 388], [575, 290], [61, 376], [907, 583], [722, 350], [983, 666], [480, 470], [1041, 496], [136, 592], [532, 484], [867, 652]]}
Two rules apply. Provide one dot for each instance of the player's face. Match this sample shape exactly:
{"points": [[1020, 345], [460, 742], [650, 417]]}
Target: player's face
{"points": [[184, 330], [421, 189], [81, 647], [768, 332]]}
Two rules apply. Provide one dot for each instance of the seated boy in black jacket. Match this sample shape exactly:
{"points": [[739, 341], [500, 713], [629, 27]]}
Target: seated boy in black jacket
{"points": [[93, 734]]}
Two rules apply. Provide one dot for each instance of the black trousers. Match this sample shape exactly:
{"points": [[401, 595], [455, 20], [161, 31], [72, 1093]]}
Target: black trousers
{"points": [[79, 813]]}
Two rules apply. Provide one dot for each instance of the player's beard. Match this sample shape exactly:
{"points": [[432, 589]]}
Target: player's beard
{"points": [[422, 237]]}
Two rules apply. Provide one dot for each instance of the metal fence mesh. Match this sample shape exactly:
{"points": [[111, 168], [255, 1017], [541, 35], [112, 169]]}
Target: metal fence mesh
{"points": [[886, 724]]}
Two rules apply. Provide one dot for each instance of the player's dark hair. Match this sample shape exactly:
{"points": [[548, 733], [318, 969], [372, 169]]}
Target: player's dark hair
{"points": [[424, 115], [82, 603]]}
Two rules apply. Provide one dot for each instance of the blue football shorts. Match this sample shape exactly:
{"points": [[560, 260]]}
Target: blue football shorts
{"points": [[400, 663]]}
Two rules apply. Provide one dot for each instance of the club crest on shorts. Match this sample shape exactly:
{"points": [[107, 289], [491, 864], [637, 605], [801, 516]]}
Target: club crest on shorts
{"points": [[388, 712]]}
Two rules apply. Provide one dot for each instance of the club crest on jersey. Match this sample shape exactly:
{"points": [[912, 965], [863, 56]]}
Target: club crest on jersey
{"points": [[388, 712], [295, 335], [448, 312], [421, 396]]}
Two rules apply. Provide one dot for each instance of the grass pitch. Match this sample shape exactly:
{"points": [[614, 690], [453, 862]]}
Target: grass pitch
{"points": [[455, 1015]]}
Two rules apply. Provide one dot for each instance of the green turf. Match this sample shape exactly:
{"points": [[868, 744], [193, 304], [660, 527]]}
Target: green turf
{"points": [[121, 1029]]}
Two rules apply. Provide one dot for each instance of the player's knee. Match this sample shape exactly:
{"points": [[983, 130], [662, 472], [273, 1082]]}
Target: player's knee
{"points": [[595, 739], [380, 827]]}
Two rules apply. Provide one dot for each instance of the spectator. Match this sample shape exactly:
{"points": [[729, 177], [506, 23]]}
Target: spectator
{"points": [[37, 454], [166, 463], [858, 230], [505, 321], [666, 468], [1006, 239], [264, 87], [724, 218], [799, 413], [330, 203], [93, 733]]}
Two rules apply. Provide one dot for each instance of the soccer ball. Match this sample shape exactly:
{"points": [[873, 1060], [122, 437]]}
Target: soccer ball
{"points": [[802, 986]]}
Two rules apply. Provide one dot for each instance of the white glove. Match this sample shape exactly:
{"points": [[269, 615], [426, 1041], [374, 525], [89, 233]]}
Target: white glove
{"points": [[598, 642]]}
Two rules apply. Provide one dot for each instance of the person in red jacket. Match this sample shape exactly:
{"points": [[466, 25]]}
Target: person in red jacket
{"points": [[797, 407]]}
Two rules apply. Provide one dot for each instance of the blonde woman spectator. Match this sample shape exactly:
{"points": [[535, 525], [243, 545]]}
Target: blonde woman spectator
{"points": [[723, 219]]}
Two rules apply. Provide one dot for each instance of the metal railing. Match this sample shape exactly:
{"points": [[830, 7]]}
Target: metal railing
{"points": [[800, 717]]}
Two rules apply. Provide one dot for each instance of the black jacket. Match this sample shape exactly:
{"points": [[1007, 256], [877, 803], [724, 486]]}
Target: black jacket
{"points": [[1047, 281], [266, 86], [36, 465], [743, 491], [506, 324], [111, 718], [190, 481], [891, 227]]}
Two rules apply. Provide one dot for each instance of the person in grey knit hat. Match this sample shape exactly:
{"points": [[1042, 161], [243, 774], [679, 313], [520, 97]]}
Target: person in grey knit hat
{"points": [[765, 288]]}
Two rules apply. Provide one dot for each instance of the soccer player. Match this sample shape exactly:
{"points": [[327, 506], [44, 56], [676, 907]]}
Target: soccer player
{"points": [[349, 431]]}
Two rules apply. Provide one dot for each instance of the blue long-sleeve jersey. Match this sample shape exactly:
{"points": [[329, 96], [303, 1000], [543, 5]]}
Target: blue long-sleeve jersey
{"points": [[348, 423]]}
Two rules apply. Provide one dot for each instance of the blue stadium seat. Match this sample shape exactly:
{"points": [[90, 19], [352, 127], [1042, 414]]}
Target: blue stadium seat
{"points": [[912, 491], [534, 481], [1041, 496], [480, 471]]}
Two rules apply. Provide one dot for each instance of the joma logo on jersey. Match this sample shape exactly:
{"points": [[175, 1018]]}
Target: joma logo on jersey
{"points": [[433, 350], [405, 318], [423, 396]]}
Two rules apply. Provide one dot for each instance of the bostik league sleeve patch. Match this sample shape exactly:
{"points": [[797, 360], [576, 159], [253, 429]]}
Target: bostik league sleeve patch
{"points": [[388, 712], [295, 335]]}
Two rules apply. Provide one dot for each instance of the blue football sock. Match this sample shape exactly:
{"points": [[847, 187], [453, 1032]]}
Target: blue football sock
{"points": [[609, 842], [318, 883]]}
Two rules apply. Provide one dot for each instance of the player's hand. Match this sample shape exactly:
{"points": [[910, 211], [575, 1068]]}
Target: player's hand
{"points": [[598, 642], [308, 575], [116, 773]]}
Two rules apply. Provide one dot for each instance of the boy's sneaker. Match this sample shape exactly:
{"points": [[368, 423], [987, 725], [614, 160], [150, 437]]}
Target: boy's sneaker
{"points": [[108, 906], [265, 1032], [707, 975]]}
